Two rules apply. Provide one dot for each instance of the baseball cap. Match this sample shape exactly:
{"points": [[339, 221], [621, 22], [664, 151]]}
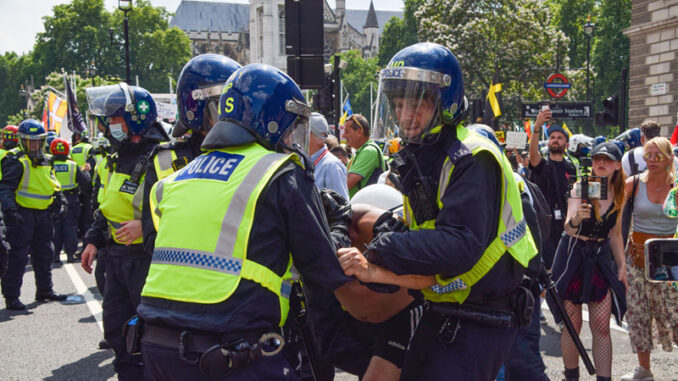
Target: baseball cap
{"points": [[319, 126], [608, 149], [554, 128]]}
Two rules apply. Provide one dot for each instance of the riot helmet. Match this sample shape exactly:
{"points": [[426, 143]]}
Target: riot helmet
{"points": [[420, 91], [630, 138], [580, 145], [9, 137], [114, 104], [60, 147], [198, 90], [263, 104], [32, 136]]}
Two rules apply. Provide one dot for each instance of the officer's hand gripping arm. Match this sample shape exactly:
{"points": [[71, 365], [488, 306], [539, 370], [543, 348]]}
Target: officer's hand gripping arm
{"points": [[339, 213]]}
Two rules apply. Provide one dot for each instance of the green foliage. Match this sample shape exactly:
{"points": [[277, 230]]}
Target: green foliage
{"points": [[399, 33], [77, 33], [569, 16], [515, 35], [357, 78]]}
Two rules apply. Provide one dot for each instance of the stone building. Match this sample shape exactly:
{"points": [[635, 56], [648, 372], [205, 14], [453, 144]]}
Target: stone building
{"points": [[255, 32], [653, 74]]}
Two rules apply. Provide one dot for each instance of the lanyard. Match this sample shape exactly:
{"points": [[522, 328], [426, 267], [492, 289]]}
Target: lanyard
{"points": [[317, 159]]}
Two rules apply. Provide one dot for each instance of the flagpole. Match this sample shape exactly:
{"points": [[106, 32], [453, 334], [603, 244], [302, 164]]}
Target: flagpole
{"points": [[371, 107], [68, 116]]}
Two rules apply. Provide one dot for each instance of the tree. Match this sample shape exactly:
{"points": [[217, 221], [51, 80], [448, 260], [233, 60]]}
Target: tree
{"points": [[356, 80], [515, 35], [570, 16], [399, 33]]}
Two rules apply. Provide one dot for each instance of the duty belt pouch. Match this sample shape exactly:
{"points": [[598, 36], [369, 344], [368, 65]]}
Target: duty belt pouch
{"points": [[523, 306], [220, 360], [132, 331], [423, 200]]}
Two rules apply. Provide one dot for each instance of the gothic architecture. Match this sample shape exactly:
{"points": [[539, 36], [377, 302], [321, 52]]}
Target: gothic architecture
{"points": [[255, 32]]}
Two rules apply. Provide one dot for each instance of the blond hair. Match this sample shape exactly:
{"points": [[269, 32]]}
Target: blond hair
{"points": [[664, 146]]}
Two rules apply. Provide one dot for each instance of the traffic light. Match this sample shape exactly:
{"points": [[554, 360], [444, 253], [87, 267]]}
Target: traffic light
{"points": [[609, 116], [323, 100]]}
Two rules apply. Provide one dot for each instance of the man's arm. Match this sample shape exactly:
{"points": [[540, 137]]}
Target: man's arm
{"points": [[535, 156], [465, 225], [12, 170]]}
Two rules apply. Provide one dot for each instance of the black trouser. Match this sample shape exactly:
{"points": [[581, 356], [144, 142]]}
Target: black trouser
{"points": [[85, 217], [477, 352], [66, 230], [525, 361], [100, 270], [163, 364], [34, 236], [126, 270]]}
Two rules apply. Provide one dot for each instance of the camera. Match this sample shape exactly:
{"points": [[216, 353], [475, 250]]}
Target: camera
{"points": [[661, 259]]}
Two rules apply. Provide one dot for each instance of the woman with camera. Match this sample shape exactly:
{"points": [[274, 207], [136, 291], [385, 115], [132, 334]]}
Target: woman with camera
{"points": [[649, 301], [582, 269]]}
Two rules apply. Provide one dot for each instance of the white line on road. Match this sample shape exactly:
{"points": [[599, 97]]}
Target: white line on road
{"points": [[92, 303]]}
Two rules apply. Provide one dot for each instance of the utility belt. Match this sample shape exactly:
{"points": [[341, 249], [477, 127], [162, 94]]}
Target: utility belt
{"points": [[513, 311], [217, 355]]}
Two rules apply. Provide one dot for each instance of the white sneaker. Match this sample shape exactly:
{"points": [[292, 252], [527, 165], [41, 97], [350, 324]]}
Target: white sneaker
{"points": [[639, 374]]}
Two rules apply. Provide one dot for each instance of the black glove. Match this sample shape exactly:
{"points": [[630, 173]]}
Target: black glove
{"points": [[61, 213], [337, 209], [12, 217], [388, 222]]}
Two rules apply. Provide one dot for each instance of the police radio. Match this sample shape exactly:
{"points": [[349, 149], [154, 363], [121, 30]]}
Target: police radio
{"points": [[590, 187]]}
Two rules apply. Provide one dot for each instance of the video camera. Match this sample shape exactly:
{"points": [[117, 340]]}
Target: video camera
{"points": [[589, 187], [661, 259]]}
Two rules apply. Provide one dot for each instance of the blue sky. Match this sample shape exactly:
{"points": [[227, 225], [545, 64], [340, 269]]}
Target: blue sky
{"points": [[23, 19]]}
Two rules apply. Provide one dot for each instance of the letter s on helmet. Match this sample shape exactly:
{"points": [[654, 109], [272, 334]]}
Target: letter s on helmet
{"points": [[261, 103], [420, 90], [198, 89]]}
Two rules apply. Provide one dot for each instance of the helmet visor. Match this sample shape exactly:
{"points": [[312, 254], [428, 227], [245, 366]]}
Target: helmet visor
{"points": [[408, 103], [106, 101], [297, 135], [33, 146]]}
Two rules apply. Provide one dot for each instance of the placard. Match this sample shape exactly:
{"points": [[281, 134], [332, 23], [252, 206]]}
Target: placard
{"points": [[516, 139]]}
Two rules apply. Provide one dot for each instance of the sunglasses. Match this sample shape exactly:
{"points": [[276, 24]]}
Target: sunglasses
{"points": [[654, 156], [353, 119]]}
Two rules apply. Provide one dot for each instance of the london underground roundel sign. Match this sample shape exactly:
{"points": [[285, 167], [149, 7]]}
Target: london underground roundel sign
{"points": [[557, 85]]}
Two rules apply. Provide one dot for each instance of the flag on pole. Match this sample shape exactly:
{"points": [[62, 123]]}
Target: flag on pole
{"points": [[493, 101], [528, 128], [75, 121], [347, 112], [569, 134], [56, 112]]}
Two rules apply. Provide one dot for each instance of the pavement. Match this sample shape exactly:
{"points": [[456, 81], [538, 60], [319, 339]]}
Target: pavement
{"points": [[57, 341]]}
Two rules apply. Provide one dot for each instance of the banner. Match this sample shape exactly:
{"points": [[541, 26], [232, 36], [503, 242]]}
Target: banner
{"points": [[56, 112], [75, 121]]}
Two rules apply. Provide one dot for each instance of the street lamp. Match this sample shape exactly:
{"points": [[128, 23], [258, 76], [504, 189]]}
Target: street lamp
{"points": [[125, 6], [589, 28], [92, 71], [24, 93]]}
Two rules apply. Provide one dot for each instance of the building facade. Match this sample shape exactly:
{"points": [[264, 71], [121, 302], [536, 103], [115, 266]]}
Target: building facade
{"points": [[653, 74], [255, 32]]}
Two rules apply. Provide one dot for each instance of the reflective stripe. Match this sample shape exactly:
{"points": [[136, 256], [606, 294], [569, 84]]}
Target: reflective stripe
{"points": [[137, 200], [33, 195], [198, 259], [165, 159], [238, 204]]}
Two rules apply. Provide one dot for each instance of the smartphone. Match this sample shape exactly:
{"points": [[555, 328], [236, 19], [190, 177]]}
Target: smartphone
{"points": [[661, 259], [545, 107]]}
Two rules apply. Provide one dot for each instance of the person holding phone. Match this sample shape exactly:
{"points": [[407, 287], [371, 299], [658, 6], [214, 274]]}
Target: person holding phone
{"points": [[552, 175]]}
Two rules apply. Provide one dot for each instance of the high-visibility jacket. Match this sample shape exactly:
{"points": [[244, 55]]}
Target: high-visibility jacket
{"points": [[206, 268], [120, 198], [37, 186], [513, 235], [66, 172], [80, 153]]}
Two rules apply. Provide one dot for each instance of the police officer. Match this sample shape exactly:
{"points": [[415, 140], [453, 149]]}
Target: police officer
{"points": [[467, 232], [126, 114], [198, 89], [29, 194], [230, 226], [83, 154], [73, 181]]}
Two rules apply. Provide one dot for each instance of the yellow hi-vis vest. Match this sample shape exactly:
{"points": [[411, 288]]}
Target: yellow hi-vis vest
{"points": [[80, 152], [121, 199], [164, 161], [513, 234], [3, 153], [66, 171], [37, 186], [212, 201]]}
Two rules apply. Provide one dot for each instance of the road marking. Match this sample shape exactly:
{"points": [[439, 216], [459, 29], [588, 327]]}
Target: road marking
{"points": [[92, 303]]}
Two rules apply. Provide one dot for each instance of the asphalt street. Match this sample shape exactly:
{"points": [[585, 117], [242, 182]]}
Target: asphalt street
{"points": [[59, 342]]}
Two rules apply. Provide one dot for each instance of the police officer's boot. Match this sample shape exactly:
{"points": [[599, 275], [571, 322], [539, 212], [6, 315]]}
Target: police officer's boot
{"points": [[14, 304], [70, 258], [49, 295]]}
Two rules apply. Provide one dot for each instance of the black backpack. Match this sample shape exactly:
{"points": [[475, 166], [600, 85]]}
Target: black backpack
{"points": [[541, 207]]}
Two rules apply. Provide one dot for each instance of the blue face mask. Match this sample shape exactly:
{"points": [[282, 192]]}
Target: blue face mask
{"points": [[117, 132]]}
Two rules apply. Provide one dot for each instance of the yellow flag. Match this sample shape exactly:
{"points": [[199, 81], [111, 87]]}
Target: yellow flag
{"points": [[56, 108], [569, 134]]}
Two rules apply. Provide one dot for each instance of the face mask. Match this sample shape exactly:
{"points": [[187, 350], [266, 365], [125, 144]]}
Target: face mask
{"points": [[117, 132]]}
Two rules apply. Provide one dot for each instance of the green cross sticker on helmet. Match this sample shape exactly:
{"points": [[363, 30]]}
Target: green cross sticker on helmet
{"points": [[143, 106]]}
